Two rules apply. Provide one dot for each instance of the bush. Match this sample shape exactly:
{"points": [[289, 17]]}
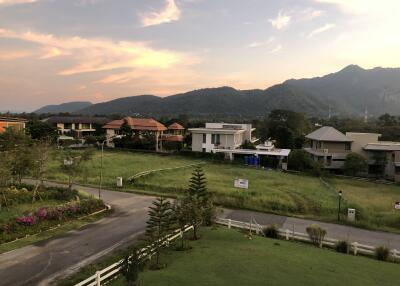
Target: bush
{"points": [[271, 231], [342, 246], [382, 253], [316, 234]]}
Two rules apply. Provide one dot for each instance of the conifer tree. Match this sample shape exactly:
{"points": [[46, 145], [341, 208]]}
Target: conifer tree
{"points": [[159, 224]]}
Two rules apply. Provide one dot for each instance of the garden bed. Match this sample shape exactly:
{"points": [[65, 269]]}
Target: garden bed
{"points": [[21, 217]]}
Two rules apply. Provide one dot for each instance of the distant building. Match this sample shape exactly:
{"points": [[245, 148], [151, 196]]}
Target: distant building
{"points": [[76, 126], [139, 126], [11, 122], [228, 138], [330, 147], [221, 136]]}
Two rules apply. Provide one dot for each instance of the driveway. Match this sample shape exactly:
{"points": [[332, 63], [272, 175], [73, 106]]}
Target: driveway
{"points": [[338, 231], [48, 261]]}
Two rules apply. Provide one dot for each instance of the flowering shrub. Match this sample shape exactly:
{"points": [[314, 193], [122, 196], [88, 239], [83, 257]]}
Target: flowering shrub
{"points": [[41, 213], [27, 220]]}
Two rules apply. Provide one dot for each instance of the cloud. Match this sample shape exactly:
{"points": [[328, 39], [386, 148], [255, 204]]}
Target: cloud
{"points": [[94, 55], [364, 6], [275, 50], [320, 30], [15, 2], [309, 14], [281, 21], [257, 44], [170, 13], [13, 55]]}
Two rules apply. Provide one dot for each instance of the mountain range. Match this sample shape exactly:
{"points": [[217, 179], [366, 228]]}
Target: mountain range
{"points": [[69, 107], [348, 92]]}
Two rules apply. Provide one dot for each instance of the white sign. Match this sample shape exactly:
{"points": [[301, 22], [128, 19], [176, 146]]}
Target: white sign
{"points": [[241, 183], [68, 162], [397, 205]]}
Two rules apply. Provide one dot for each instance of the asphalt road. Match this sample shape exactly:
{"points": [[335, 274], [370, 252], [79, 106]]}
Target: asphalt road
{"points": [[45, 262]]}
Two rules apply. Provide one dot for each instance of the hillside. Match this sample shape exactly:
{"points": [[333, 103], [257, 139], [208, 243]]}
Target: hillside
{"points": [[347, 92], [70, 107]]}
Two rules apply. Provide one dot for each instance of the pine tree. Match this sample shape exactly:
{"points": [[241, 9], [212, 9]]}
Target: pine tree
{"points": [[199, 201], [159, 224], [181, 218]]}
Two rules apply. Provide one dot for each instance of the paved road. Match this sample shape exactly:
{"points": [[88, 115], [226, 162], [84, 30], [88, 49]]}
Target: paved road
{"points": [[374, 238], [47, 261]]}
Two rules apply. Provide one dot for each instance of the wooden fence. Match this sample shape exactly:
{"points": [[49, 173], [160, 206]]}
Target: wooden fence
{"points": [[105, 275], [355, 247]]}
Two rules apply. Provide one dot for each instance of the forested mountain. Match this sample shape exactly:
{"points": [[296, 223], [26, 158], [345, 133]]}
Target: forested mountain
{"points": [[69, 107], [346, 93]]}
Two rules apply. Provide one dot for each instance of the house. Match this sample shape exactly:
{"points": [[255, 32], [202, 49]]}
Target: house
{"points": [[228, 138], [76, 126], [221, 136], [141, 126], [329, 147], [10, 122]]}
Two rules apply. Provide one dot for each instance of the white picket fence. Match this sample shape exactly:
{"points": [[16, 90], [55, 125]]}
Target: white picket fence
{"points": [[355, 247], [103, 276]]}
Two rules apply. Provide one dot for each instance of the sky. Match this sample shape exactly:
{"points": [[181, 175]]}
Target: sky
{"points": [[55, 51]]}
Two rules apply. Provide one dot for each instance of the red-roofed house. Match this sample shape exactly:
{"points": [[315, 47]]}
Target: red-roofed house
{"points": [[174, 134], [10, 122], [139, 126]]}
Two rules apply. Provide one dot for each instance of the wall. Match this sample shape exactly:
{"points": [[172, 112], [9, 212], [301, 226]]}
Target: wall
{"points": [[360, 140], [16, 125]]}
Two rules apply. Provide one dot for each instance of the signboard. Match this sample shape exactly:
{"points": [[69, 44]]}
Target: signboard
{"points": [[397, 205], [68, 162], [241, 183]]}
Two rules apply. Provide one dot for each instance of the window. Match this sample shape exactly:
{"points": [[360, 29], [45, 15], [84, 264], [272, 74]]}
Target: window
{"points": [[204, 138], [215, 139], [329, 160], [85, 125], [204, 150], [67, 125], [311, 144], [347, 146]]}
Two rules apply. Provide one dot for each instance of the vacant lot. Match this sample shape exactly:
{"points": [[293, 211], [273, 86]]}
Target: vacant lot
{"points": [[269, 191], [228, 257]]}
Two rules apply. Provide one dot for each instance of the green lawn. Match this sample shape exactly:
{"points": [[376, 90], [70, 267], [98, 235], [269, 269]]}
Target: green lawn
{"points": [[228, 257], [269, 191]]}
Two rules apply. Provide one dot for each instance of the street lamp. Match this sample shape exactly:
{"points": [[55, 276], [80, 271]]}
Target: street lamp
{"points": [[340, 199]]}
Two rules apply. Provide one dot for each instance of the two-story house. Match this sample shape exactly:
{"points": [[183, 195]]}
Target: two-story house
{"points": [[329, 147], [220, 136], [76, 126], [11, 122]]}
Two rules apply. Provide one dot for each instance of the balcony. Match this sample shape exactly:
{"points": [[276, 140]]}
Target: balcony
{"points": [[327, 152]]}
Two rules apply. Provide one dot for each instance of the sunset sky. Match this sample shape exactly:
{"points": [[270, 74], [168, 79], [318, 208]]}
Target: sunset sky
{"points": [[54, 51]]}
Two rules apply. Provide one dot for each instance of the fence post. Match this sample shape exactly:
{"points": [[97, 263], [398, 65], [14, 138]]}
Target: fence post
{"points": [[181, 233], [355, 248], [287, 234], [394, 254], [229, 223], [97, 278]]}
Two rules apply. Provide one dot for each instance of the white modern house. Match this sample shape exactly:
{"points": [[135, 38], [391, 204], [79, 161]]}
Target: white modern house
{"points": [[221, 136], [228, 138]]}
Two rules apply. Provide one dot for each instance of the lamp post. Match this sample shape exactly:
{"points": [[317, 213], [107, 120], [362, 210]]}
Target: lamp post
{"points": [[340, 200]]}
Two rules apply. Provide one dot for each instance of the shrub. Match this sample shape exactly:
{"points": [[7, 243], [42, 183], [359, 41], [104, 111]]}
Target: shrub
{"points": [[271, 231], [26, 220], [316, 234], [382, 253], [342, 246]]}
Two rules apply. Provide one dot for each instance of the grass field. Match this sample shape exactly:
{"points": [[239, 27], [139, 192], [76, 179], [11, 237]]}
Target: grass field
{"points": [[228, 257], [269, 191]]}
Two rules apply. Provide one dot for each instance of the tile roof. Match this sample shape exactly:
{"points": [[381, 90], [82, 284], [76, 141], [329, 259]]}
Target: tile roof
{"points": [[145, 124], [172, 138], [11, 119], [176, 126], [327, 133]]}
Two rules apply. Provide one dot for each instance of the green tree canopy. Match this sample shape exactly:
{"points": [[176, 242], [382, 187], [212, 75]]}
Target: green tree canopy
{"points": [[355, 164]]}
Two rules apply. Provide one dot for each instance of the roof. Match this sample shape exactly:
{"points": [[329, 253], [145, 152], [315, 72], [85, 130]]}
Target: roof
{"points": [[216, 130], [383, 146], [327, 133], [76, 119], [145, 124], [274, 152], [11, 119], [176, 126]]}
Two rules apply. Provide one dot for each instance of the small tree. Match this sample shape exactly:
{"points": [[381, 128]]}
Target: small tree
{"points": [[5, 175], [182, 218], [41, 156], [72, 163], [316, 234], [130, 267], [355, 164], [159, 224]]}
